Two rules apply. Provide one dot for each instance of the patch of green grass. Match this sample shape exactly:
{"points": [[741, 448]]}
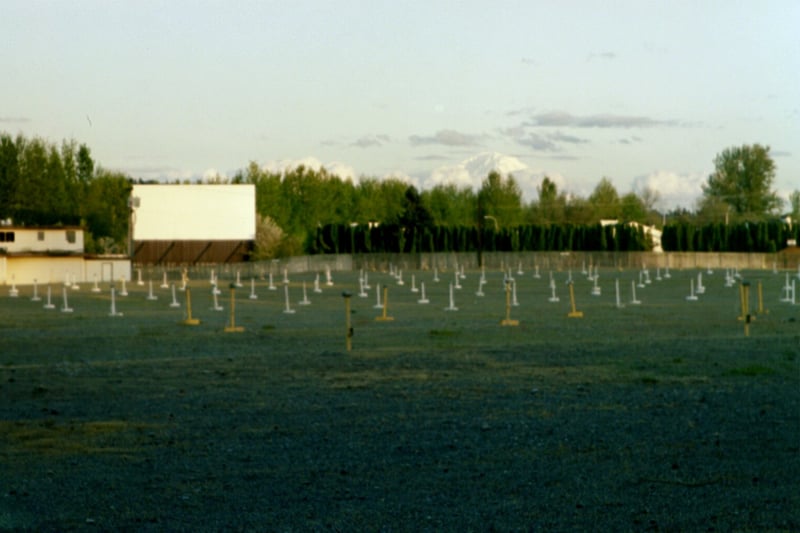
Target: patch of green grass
{"points": [[431, 400], [752, 370], [50, 438]]}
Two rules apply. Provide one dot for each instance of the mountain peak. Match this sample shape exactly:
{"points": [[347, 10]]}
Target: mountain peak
{"points": [[472, 171], [484, 163]]}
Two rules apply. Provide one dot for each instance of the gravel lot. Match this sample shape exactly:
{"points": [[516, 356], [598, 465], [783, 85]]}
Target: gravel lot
{"points": [[651, 419]]}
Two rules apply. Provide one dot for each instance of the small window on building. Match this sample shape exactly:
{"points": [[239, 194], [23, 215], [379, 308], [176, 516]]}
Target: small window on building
{"points": [[71, 236], [40, 235], [6, 236]]}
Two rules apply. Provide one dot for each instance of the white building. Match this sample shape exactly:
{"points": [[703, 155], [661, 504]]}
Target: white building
{"points": [[59, 240], [53, 255], [651, 232]]}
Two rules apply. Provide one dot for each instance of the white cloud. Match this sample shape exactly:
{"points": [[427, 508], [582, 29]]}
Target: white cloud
{"points": [[402, 176], [161, 173], [210, 173], [454, 174], [606, 120], [282, 165], [674, 189], [571, 139], [547, 142], [446, 138], [344, 171], [537, 142], [337, 168], [14, 120], [368, 141], [601, 55]]}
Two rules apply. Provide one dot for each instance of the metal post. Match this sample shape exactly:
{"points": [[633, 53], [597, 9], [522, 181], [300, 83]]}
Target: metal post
{"points": [[348, 328], [233, 328], [761, 310], [384, 317], [189, 320], [574, 313], [507, 321], [744, 292]]}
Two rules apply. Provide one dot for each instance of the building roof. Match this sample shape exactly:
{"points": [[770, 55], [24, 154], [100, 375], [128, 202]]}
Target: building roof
{"points": [[12, 227]]}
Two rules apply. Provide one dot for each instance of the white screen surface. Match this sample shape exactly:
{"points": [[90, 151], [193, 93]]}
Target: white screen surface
{"points": [[194, 212]]}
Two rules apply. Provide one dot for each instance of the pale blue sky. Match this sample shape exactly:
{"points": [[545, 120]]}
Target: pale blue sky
{"points": [[645, 93]]}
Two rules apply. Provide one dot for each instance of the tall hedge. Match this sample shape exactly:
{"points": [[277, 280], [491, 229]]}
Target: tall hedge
{"points": [[391, 238], [768, 236]]}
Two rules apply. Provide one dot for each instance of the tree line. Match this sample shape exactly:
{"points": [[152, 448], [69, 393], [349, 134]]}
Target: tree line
{"points": [[299, 205], [300, 209], [44, 184]]}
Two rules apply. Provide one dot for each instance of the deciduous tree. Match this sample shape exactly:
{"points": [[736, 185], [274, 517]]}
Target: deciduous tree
{"points": [[551, 205], [501, 199], [632, 208], [743, 178], [794, 204], [450, 205], [605, 200], [106, 207]]}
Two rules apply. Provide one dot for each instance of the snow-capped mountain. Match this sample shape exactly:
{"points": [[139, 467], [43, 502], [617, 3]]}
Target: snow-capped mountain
{"points": [[472, 171], [484, 163]]}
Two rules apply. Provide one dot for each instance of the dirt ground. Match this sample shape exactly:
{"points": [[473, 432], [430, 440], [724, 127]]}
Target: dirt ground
{"points": [[659, 418]]}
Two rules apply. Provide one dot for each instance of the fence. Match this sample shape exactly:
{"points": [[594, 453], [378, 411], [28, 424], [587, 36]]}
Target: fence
{"points": [[559, 261], [254, 269], [573, 260]]}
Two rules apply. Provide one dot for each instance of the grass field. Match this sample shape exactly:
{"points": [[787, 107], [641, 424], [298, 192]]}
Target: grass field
{"points": [[657, 416]]}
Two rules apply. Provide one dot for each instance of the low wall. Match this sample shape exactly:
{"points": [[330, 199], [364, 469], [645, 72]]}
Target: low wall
{"points": [[491, 260], [574, 260], [27, 270], [254, 269]]}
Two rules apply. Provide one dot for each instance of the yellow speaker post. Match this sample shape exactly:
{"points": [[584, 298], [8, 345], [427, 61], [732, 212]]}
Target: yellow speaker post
{"points": [[507, 321], [744, 293], [384, 317], [189, 320], [232, 327], [574, 313]]}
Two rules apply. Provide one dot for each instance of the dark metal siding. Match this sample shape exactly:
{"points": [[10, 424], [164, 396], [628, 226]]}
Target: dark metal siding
{"points": [[191, 252]]}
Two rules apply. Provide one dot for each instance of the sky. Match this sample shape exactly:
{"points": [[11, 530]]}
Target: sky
{"points": [[644, 93]]}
